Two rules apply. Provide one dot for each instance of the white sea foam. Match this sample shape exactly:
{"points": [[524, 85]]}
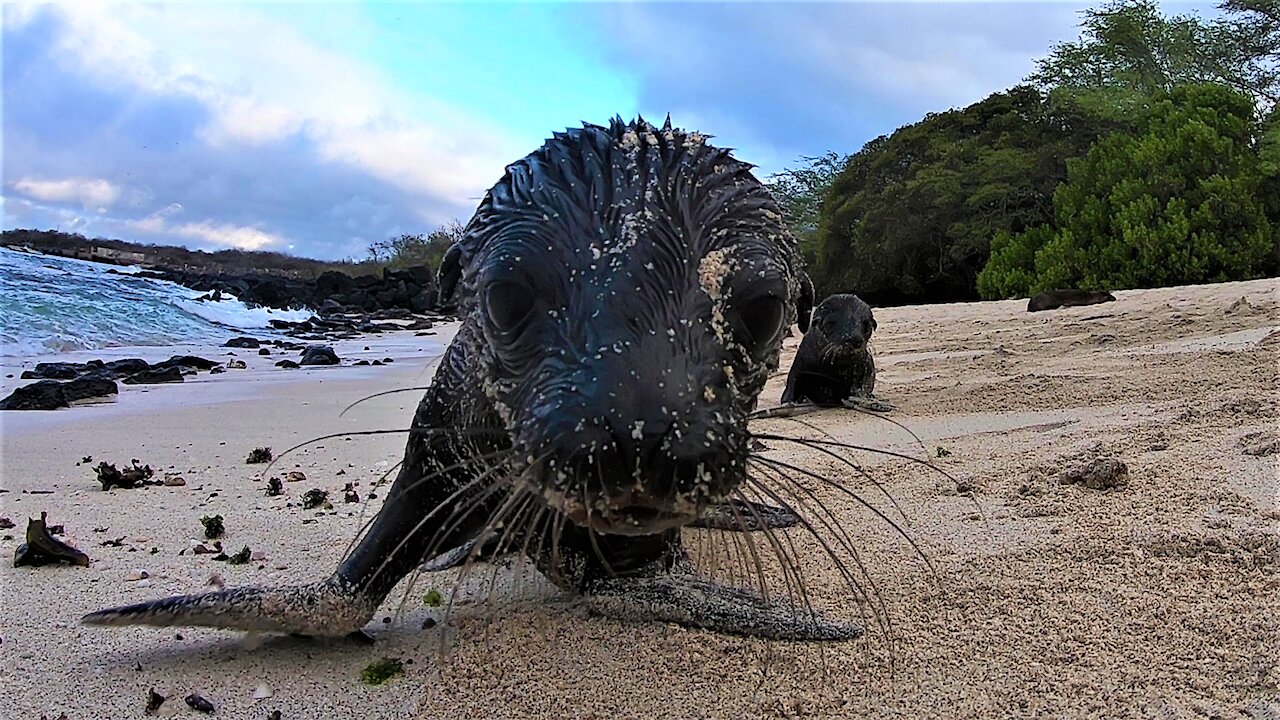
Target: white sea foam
{"points": [[52, 304]]}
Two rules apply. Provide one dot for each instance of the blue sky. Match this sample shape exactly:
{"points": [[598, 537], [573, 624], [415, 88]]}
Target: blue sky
{"points": [[316, 129]]}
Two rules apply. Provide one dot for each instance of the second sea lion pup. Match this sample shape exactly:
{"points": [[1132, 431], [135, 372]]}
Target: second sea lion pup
{"points": [[833, 366]]}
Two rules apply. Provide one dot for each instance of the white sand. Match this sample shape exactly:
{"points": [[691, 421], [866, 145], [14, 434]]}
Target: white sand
{"points": [[1160, 599]]}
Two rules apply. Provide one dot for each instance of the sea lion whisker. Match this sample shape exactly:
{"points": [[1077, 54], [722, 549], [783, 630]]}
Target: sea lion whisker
{"points": [[397, 391], [857, 469], [806, 498], [591, 533], [746, 539], [863, 448], [802, 508], [517, 500], [428, 477], [412, 431], [879, 610], [456, 515], [856, 498], [788, 568]]}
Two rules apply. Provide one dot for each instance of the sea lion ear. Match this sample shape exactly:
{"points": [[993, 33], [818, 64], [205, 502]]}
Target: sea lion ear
{"points": [[804, 304], [450, 273]]}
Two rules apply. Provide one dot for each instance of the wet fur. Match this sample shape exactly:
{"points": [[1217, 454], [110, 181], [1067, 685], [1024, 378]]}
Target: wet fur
{"points": [[652, 264], [834, 362]]}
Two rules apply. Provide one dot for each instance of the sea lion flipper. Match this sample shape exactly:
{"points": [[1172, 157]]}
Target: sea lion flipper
{"points": [[329, 608], [745, 516], [693, 602], [870, 404]]}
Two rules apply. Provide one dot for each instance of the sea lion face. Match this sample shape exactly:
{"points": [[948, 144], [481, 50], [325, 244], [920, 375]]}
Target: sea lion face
{"points": [[845, 321], [631, 285]]}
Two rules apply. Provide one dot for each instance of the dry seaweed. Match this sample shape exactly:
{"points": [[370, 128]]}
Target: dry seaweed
{"points": [[314, 498], [380, 671], [42, 548], [258, 456], [154, 701], [131, 477], [213, 528]]}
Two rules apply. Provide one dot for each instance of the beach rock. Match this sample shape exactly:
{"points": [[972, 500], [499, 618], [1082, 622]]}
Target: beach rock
{"points": [[126, 366], [319, 355], [42, 395], [1101, 474], [54, 371], [243, 342], [287, 364], [171, 374], [88, 387], [52, 394], [186, 361], [264, 351]]}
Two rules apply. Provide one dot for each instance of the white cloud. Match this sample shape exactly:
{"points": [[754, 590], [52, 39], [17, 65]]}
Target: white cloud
{"points": [[92, 193], [220, 234], [262, 82], [227, 235]]}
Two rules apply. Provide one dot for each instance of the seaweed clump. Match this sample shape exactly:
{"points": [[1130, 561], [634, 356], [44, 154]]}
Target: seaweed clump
{"points": [[134, 476], [213, 527], [258, 456], [42, 548], [380, 671]]}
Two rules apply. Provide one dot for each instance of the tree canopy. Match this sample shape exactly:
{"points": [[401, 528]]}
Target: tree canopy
{"points": [[1175, 201], [911, 215], [1145, 152], [406, 250]]}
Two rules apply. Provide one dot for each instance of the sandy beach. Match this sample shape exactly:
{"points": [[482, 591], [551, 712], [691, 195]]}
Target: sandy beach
{"points": [[1035, 597]]}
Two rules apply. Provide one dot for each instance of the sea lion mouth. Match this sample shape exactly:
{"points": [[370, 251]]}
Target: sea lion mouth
{"points": [[629, 513]]}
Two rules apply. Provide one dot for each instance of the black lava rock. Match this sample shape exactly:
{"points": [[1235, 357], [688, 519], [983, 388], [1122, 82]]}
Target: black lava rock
{"points": [[319, 355]]}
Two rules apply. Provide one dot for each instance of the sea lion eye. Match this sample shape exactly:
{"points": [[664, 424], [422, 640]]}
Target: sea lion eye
{"points": [[508, 304], [761, 320]]}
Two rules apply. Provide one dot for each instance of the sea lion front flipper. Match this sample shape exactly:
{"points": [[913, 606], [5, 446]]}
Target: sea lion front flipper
{"points": [[690, 601], [870, 404], [745, 516], [331, 607]]}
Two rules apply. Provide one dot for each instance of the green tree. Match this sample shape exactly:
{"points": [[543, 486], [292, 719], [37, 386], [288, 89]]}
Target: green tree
{"points": [[1174, 202], [1128, 51], [408, 250], [911, 215], [799, 193]]}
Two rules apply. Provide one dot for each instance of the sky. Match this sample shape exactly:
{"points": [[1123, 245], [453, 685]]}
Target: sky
{"points": [[316, 129]]}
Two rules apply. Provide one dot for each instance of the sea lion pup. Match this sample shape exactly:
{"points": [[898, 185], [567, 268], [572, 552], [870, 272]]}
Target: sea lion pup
{"points": [[622, 294], [833, 365], [1054, 299]]}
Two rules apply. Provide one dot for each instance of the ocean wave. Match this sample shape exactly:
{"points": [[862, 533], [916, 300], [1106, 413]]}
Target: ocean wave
{"points": [[51, 304]]}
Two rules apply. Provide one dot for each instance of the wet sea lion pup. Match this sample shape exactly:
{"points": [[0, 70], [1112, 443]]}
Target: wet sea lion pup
{"points": [[1054, 299], [833, 365], [622, 292]]}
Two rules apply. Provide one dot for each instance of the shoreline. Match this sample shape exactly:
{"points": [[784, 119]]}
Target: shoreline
{"points": [[1040, 597], [259, 377]]}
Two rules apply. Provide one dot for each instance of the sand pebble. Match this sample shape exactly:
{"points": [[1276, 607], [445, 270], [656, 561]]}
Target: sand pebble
{"points": [[262, 691], [137, 575]]}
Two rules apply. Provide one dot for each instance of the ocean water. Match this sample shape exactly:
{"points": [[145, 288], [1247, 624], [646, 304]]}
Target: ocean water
{"points": [[51, 304]]}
